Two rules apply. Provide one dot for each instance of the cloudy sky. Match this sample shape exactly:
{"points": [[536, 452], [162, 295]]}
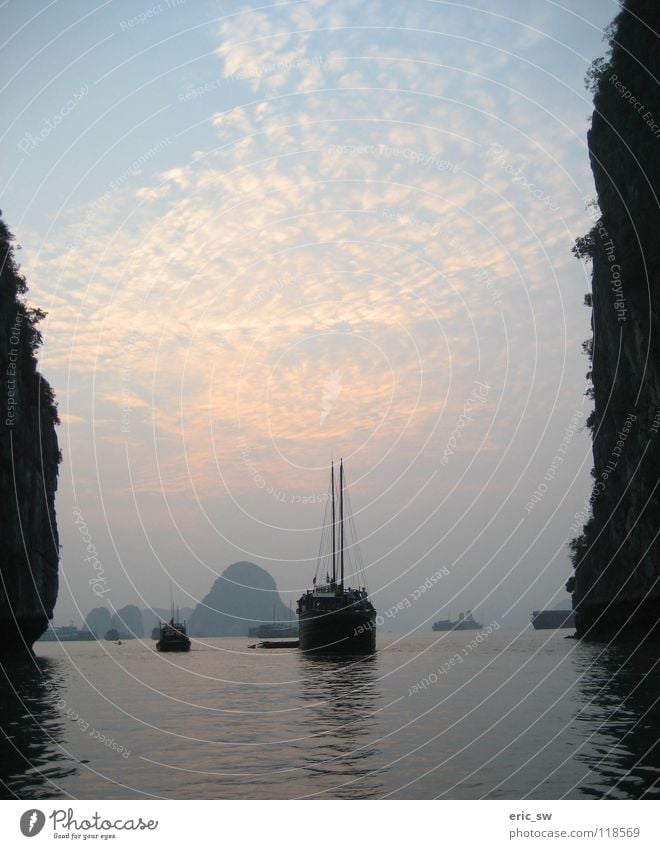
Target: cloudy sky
{"points": [[266, 235]]}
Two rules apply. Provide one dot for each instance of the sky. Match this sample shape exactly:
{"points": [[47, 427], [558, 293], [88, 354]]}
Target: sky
{"points": [[268, 235]]}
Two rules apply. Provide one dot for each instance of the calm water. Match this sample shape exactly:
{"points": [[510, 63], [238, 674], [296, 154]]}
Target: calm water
{"points": [[517, 715]]}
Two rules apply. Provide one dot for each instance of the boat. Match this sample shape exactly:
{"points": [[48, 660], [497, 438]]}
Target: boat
{"points": [[544, 620], [334, 618], [66, 634], [274, 629], [465, 622], [276, 644], [173, 636], [113, 635]]}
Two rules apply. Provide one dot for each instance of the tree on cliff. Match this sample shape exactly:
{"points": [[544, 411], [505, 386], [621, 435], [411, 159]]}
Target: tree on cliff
{"points": [[29, 458], [616, 585]]}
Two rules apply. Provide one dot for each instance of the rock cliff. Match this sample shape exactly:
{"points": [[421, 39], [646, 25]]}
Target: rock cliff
{"points": [[243, 596], [29, 458], [616, 585]]}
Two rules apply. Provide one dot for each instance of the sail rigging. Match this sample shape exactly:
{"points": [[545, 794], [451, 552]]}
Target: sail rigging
{"points": [[339, 559], [333, 616]]}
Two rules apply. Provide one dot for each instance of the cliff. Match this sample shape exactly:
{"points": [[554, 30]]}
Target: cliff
{"points": [[98, 621], [616, 586], [29, 458], [243, 596], [128, 620]]}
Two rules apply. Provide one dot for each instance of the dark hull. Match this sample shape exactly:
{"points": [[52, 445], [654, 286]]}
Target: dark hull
{"points": [[178, 645], [278, 644], [337, 632], [460, 625], [544, 620]]}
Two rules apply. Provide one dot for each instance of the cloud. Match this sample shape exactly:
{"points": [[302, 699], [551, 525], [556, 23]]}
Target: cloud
{"points": [[345, 218]]}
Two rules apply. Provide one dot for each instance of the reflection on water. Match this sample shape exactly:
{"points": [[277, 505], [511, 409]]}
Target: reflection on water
{"points": [[342, 725], [532, 716], [618, 722], [32, 759]]}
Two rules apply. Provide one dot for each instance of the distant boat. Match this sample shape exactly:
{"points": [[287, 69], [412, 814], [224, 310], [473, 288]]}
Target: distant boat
{"points": [[465, 622], [333, 618], [66, 634], [113, 635], [547, 619], [173, 636], [274, 629]]}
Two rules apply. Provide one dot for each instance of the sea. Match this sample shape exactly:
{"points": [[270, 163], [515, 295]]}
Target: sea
{"points": [[489, 714]]}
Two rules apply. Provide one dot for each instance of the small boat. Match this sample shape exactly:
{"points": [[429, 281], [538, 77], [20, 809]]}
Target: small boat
{"points": [[544, 620], [113, 635], [465, 622], [334, 618], [173, 636]]}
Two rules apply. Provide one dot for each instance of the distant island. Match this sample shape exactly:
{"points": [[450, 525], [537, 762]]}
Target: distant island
{"points": [[245, 596]]}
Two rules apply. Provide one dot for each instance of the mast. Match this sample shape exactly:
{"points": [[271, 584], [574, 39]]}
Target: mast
{"points": [[341, 523], [334, 554]]}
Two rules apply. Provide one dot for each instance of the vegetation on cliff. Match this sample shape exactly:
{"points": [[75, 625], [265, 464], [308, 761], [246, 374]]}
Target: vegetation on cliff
{"points": [[29, 458], [616, 585]]}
